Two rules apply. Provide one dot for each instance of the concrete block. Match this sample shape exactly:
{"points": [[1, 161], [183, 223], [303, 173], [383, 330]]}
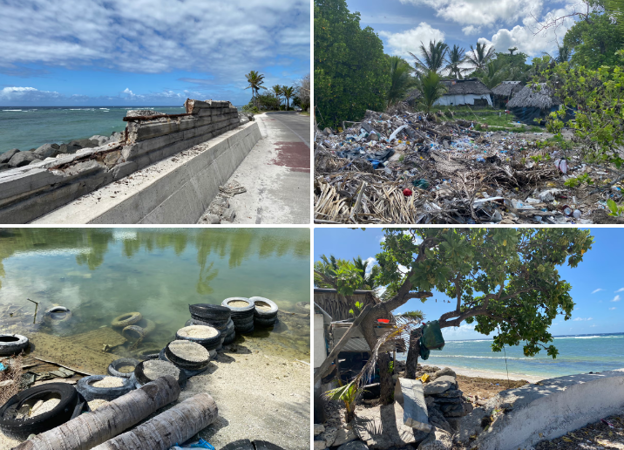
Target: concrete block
{"points": [[410, 394], [151, 130]]}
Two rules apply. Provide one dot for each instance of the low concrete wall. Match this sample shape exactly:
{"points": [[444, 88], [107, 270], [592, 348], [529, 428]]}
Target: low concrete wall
{"points": [[176, 190], [29, 192], [546, 410]]}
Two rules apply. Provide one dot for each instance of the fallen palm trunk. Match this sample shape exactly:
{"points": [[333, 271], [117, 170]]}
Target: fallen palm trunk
{"points": [[174, 426], [91, 429]]}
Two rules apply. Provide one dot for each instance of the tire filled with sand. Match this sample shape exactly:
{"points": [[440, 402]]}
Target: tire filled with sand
{"points": [[155, 368], [188, 355]]}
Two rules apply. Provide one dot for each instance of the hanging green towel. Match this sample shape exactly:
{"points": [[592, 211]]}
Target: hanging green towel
{"points": [[432, 336]]}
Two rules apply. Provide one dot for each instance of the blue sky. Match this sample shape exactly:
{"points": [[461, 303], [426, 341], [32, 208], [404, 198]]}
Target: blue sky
{"points": [[597, 282], [148, 52], [403, 24]]}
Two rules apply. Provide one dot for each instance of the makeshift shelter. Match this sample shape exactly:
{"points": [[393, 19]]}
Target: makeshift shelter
{"points": [[532, 103], [470, 91], [504, 92], [338, 306]]}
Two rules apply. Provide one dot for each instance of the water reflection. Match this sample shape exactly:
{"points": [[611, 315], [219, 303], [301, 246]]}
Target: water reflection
{"points": [[101, 273]]}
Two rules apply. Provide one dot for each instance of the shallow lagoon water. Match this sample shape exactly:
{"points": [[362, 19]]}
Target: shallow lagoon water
{"points": [[102, 273]]}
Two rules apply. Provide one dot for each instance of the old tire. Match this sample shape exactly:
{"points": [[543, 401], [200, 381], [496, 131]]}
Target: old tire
{"points": [[264, 308], [89, 392], [21, 429], [237, 310], [126, 319], [133, 333], [175, 352], [58, 314], [209, 343], [148, 326], [159, 367], [265, 322], [210, 312], [218, 324], [229, 339], [148, 353], [121, 362], [12, 344]]}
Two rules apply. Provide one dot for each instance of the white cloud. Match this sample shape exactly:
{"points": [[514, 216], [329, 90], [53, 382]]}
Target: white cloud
{"points": [[529, 37], [17, 94], [471, 30], [579, 319], [128, 91], [481, 12], [225, 39], [612, 309], [409, 41], [597, 290], [620, 290], [616, 298], [371, 262]]}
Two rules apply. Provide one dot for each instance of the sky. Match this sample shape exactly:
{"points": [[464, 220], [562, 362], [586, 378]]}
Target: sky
{"points": [[597, 282], [403, 24], [148, 52]]}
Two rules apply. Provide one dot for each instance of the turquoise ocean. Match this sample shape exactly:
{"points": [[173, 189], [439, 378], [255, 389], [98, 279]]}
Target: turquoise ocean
{"points": [[30, 127], [577, 354]]}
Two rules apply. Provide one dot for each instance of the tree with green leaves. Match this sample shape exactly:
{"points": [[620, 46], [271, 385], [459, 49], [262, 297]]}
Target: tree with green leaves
{"points": [[433, 57], [564, 54], [345, 276], [351, 72], [400, 80], [256, 82], [454, 59], [504, 280], [479, 57], [277, 90], [493, 74], [431, 90], [288, 92]]}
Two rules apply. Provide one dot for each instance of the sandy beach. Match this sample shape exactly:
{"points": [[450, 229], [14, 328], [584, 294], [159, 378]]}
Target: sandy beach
{"points": [[473, 373]]}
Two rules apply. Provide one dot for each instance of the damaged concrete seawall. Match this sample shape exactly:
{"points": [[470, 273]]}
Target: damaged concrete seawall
{"points": [[32, 191], [546, 410]]}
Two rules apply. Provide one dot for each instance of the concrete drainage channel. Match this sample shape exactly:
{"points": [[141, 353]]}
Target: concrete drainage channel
{"points": [[166, 169]]}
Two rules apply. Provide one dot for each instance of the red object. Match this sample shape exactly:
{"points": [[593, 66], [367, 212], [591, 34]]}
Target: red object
{"points": [[383, 320], [407, 192]]}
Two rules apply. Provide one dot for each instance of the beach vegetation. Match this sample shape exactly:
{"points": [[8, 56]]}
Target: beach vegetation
{"points": [[400, 80], [433, 57], [256, 82]]}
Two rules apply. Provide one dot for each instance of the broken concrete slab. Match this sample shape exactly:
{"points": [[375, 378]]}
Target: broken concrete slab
{"points": [[410, 394], [382, 427], [440, 385]]}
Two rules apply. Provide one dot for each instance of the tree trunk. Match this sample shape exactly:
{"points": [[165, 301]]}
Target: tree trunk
{"points": [[174, 426], [411, 365], [386, 384], [88, 430]]}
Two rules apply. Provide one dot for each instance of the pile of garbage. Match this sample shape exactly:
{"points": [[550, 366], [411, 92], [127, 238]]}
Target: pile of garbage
{"points": [[413, 167]]}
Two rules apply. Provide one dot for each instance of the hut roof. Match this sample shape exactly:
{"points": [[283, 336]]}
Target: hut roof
{"points": [[468, 86], [338, 306], [508, 88], [529, 97]]}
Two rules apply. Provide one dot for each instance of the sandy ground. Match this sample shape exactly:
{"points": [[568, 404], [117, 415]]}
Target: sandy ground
{"points": [[259, 396]]}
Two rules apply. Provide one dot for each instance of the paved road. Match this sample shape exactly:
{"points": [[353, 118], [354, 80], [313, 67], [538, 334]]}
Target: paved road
{"points": [[276, 173]]}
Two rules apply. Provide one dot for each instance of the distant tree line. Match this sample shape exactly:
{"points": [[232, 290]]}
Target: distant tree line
{"points": [[278, 97]]}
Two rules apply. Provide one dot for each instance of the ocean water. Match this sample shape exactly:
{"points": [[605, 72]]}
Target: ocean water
{"points": [[100, 274], [577, 354], [30, 127]]}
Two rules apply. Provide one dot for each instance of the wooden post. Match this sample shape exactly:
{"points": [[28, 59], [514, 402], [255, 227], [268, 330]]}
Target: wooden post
{"points": [[324, 369], [91, 429], [174, 426]]}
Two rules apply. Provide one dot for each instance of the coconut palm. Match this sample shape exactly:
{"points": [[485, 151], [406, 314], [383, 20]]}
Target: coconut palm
{"points": [[277, 90], [481, 56], [431, 89], [564, 54], [455, 57], [433, 57], [288, 92], [400, 79], [256, 82], [493, 75]]}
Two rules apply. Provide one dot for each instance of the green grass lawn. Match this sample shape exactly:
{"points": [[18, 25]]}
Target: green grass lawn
{"points": [[495, 119]]}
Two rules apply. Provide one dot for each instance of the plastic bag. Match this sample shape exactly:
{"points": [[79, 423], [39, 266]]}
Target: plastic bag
{"points": [[200, 444]]}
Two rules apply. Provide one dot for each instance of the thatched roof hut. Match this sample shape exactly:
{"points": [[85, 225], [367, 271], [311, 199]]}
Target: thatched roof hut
{"points": [[469, 91], [508, 89], [338, 306], [531, 97], [533, 103]]}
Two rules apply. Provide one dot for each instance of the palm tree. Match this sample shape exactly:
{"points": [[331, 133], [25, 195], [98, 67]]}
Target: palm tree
{"points": [[400, 79], [564, 54], [256, 81], [492, 75], [288, 93], [481, 56], [433, 57], [456, 56], [431, 89], [277, 90]]}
